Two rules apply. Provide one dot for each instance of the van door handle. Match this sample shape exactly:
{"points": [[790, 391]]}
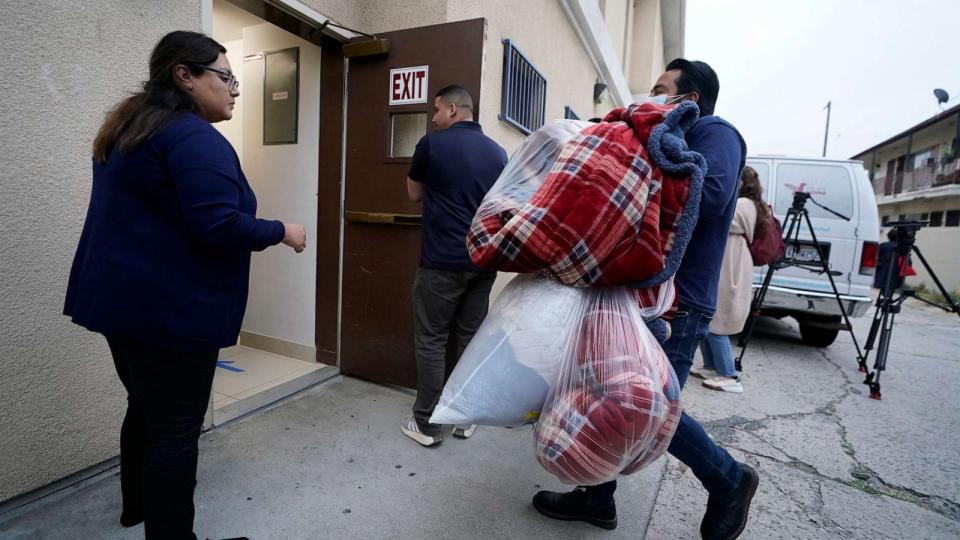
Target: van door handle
{"points": [[383, 218]]}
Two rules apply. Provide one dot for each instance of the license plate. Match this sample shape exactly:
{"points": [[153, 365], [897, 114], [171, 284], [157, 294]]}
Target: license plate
{"points": [[803, 252]]}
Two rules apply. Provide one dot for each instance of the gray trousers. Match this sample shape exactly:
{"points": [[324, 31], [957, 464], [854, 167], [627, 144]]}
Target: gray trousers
{"points": [[443, 302]]}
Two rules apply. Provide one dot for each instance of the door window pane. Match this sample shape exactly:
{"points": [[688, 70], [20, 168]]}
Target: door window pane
{"points": [[406, 129]]}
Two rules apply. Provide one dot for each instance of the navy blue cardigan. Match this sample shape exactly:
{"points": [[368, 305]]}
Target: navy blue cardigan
{"points": [[164, 256], [723, 148]]}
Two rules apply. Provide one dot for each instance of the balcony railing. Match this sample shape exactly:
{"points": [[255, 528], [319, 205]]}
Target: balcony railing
{"points": [[927, 177]]}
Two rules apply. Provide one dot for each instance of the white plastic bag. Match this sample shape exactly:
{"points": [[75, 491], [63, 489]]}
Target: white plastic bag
{"points": [[505, 373], [513, 361], [529, 166]]}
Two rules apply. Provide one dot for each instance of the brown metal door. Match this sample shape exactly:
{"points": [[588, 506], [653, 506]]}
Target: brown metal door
{"points": [[381, 250]]}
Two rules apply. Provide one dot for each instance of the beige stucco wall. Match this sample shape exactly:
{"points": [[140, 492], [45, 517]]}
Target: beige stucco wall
{"points": [[542, 32], [615, 18], [65, 63], [646, 60], [939, 247], [938, 244]]}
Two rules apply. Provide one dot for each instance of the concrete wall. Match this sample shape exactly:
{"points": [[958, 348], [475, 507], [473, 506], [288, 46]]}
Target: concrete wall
{"points": [[939, 247], [646, 61], [616, 16], [541, 30], [65, 64]]}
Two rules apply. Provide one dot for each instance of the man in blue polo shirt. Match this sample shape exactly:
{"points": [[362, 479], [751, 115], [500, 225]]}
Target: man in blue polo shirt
{"points": [[731, 485], [453, 168]]}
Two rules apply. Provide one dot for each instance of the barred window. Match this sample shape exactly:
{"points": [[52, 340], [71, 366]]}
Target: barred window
{"points": [[524, 100]]}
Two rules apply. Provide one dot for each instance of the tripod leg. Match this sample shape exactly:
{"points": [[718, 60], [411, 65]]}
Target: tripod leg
{"points": [[794, 223], [874, 326], [943, 290], [886, 331], [836, 293]]}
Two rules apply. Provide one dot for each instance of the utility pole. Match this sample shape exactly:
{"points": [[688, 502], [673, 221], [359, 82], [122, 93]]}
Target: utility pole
{"points": [[826, 132]]}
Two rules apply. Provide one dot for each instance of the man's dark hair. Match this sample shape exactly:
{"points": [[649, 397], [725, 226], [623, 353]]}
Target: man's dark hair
{"points": [[696, 76], [457, 95]]}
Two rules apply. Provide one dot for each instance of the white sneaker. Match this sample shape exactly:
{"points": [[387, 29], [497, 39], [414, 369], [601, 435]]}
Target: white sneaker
{"points": [[412, 430], [725, 384], [464, 431], [704, 373]]}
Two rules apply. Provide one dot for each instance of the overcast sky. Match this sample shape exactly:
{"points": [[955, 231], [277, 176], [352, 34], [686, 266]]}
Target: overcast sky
{"points": [[781, 61]]}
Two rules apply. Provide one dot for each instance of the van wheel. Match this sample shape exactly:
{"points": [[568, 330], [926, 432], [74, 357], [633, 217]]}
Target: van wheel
{"points": [[818, 336]]}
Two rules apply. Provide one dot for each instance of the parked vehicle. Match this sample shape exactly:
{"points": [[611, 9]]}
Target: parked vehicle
{"points": [[851, 246]]}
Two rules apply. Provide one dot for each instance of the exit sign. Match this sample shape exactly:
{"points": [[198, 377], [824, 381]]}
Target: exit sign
{"points": [[409, 85]]}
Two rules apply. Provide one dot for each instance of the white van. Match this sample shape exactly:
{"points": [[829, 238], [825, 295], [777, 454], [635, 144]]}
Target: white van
{"points": [[851, 246]]}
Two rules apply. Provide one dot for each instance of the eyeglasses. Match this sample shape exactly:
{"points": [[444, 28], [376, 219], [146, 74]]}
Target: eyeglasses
{"points": [[229, 78]]}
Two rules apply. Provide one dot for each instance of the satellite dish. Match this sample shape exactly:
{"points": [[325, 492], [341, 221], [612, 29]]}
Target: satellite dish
{"points": [[942, 95]]}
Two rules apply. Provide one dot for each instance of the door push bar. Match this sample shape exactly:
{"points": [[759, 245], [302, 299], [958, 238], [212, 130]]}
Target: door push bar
{"points": [[383, 219]]}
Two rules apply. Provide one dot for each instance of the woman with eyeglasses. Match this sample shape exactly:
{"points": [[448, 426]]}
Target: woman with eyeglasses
{"points": [[163, 264]]}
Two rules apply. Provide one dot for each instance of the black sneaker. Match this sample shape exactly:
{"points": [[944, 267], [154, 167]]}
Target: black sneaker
{"points": [[575, 506], [727, 515], [131, 518]]}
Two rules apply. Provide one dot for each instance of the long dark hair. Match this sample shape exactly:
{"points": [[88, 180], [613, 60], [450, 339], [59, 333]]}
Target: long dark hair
{"points": [[140, 116], [751, 188]]}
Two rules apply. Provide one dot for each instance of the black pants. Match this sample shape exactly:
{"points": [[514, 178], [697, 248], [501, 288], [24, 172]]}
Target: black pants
{"points": [[443, 301], [167, 396]]}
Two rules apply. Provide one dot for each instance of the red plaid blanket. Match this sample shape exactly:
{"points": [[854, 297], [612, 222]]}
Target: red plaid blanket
{"points": [[616, 412], [604, 216]]}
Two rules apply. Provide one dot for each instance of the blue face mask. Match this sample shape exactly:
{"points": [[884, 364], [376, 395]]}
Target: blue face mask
{"points": [[663, 99]]}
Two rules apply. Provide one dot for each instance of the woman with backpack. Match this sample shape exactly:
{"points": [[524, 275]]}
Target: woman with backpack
{"points": [[735, 290]]}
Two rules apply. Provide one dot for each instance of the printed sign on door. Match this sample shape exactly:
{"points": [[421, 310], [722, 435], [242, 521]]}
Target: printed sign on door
{"points": [[409, 85]]}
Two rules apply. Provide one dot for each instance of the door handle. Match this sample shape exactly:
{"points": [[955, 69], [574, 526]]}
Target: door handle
{"points": [[383, 218]]}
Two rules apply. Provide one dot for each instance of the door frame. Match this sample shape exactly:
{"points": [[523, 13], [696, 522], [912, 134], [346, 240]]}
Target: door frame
{"points": [[308, 24]]}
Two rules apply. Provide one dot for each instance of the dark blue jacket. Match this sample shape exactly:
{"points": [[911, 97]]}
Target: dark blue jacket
{"points": [[725, 152], [164, 256]]}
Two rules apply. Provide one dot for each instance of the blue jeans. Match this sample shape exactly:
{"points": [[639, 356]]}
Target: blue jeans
{"points": [[713, 466], [718, 355]]}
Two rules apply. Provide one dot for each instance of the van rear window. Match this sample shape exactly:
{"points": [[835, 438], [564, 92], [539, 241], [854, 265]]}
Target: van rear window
{"points": [[829, 185]]}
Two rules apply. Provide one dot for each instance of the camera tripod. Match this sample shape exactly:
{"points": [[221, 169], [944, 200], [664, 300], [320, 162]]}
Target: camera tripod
{"points": [[797, 215], [888, 306]]}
